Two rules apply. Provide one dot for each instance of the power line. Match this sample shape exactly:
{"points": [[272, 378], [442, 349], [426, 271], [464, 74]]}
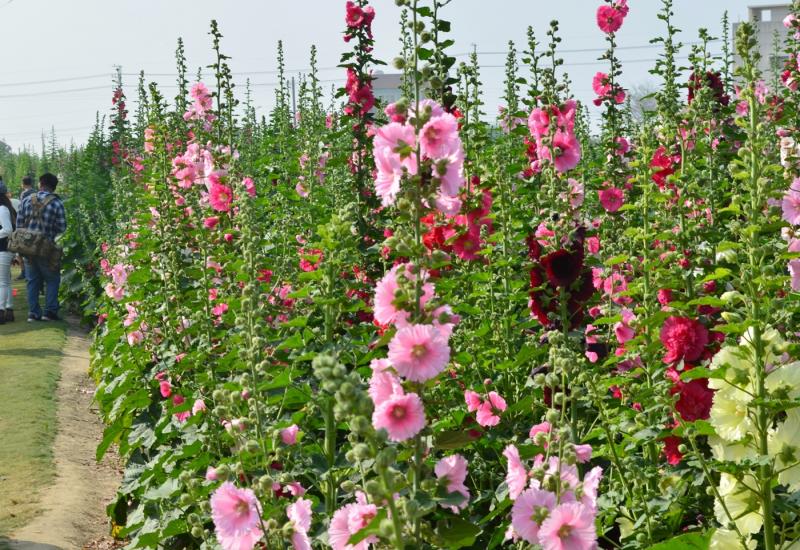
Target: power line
{"points": [[55, 80], [586, 50]]}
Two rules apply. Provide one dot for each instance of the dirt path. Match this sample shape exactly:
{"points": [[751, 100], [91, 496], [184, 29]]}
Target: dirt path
{"points": [[73, 508]]}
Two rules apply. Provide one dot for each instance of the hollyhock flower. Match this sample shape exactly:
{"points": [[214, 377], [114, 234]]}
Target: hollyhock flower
{"points": [[219, 309], [383, 384], [220, 197], [531, 509], [452, 180], [609, 19], [419, 352], [685, 339], [310, 259], [402, 416], [695, 398], [611, 199], [438, 138], [570, 526], [135, 338], [211, 222], [393, 147], [449, 206], [249, 186], [165, 388], [453, 469], [236, 517], [794, 273], [590, 485], [211, 474], [384, 308], [467, 245], [567, 151], [299, 514], [517, 475], [545, 427], [178, 400], [583, 453], [791, 204], [576, 193], [349, 520], [198, 406], [473, 400], [562, 267], [538, 122], [486, 411], [289, 435]]}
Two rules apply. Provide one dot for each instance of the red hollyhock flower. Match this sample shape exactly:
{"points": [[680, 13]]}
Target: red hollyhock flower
{"points": [[534, 248], [537, 305], [684, 339], [562, 267], [671, 452], [665, 163], [695, 398]]}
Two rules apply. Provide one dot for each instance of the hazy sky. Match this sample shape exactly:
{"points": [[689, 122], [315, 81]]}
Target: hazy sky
{"points": [[83, 40]]}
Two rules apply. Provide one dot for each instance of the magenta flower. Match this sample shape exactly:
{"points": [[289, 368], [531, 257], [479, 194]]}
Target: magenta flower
{"points": [[419, 352], [567, 151], [289, 435], [236, 514], [570, 526], [530, 510], [609, 18], [220, 197], [487, 411], [438, 138], [384, 308], [517, 475], [402, 416], [611, 199], [454, 469]]}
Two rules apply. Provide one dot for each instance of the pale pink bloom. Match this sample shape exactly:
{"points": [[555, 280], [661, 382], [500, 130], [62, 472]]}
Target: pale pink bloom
{"points": [[383, 384], [445, 320], [486, 412], [289, 435], [794, 245], [299, 514], [570, 526], [384, 309], [451, 182], [135, 338], [454, 469], [794, 272], [220, 197], [591, 482], [544, 427], [419, 352], [393, 147], [295, 488], [402, 416], [249, 186], [530, 509], [583, 453], [517, 475], [611, 199], [199, 406], [211, 474], [424, 105], [349, 520], [301, 190], [761, 91], [576, 193], [236, 517], [132, 315], [438, 138], [473, 400], [791, 204], [789, 20], [119, 274], [449, 206]]}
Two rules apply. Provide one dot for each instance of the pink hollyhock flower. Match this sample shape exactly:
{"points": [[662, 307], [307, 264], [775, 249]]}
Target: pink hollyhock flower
{"points": [[791, 204], [349, 520], [761, 91], [467, 245], [609, 19], [544, 428], [211, 222], [570, 526], [301, 189], [583, 453], [383, 384], [685, 339], [310, 259], [794, 273], [402, 416], [517, 475], [393, 144], [473, 400], [600, 84], [445, 320], [611, 199], [530, 510], [289, 435], [219, 309], [486, 412], [211, 474], [590, 485], [538, 122], [165, 388], [439, 137], [220, 197], [135, 338], [198, 406], [452, 180], [576, 193], [454, 469], [384, 309], [299, 514], [593, 245], [249, 186], [449, 206], [419, 352], [567, 151], [178, 400], [236, 517]]}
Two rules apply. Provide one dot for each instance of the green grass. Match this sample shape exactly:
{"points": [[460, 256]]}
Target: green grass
{"points": [[30, 355]]}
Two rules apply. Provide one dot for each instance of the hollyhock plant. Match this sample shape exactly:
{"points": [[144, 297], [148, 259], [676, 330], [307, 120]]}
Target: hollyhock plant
{"points": [[569, 526], [531, 508], [236, 514], [453, 470], [401, 415], [349, 520], [419, 352]]}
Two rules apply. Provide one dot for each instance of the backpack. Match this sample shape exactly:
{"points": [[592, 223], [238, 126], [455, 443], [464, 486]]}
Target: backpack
{"points": [[32, 243]]}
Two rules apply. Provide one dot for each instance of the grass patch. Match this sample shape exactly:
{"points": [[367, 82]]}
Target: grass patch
{"points": [[30, 355]]}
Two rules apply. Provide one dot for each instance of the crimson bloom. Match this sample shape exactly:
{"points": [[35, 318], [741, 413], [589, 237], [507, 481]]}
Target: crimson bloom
{"points": [[684, 338]]}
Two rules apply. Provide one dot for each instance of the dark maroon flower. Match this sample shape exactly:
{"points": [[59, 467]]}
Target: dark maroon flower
{"points": [[562, 267]]}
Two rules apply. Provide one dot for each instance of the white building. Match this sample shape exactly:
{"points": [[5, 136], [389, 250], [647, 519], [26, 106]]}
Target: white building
{"points": [[768, 19]]}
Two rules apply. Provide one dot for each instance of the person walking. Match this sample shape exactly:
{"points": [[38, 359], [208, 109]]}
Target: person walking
{"points": [[7, 225], [27, 189], [44, 212]]}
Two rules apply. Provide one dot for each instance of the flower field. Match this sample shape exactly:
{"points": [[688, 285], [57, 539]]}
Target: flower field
{"points": [[433, 324]]}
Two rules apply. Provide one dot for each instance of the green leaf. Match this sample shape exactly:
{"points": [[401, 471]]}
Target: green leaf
{"points": [[616, 260], [688, 541], [452, 439], [719, 273], [457, 533], [702, 372], [292, 342]]}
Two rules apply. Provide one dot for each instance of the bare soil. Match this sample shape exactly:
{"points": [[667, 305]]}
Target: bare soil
{"points": [[72, 512]]}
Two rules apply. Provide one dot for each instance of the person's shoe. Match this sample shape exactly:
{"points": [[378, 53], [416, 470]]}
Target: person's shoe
{"points": [[9, 315], [50, 317], [32, 318]]}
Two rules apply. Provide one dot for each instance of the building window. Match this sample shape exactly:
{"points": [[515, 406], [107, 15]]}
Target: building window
{"points": [[766, 16]]}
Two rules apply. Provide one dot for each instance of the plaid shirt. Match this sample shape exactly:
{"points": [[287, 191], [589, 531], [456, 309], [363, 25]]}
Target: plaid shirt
{"points": [[54, 218]]}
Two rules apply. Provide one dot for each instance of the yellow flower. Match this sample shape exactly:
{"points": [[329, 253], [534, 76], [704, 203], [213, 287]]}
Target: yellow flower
{"points": [[731, 452], [727, 539], [741, 503], [729, 414], [784, 445], [786, 378]]}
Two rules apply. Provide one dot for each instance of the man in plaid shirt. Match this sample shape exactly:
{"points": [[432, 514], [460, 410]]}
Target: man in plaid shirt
{"points": [[38, 270]]}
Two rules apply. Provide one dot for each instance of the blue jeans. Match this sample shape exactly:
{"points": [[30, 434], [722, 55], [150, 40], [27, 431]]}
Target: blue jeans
{"points": [[39, 275]]}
